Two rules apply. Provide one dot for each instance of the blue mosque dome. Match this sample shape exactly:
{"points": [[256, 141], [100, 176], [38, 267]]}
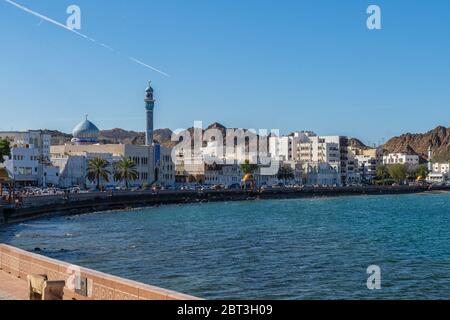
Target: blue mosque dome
{"points": [[85, 132]]}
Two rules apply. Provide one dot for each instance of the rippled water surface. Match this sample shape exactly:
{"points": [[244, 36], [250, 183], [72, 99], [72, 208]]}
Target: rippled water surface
{"points": [[280, 249]]}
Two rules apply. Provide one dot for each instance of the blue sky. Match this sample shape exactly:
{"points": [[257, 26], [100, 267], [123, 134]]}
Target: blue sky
{"points": [[292, 65]]}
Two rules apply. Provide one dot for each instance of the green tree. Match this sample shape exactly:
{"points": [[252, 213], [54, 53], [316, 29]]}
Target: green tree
{"points": [[421, 171], [125, 170], [5, 149], [382, 173], [285, 173], [97, 170], [247, 167], [398, 172], [410, 172]]}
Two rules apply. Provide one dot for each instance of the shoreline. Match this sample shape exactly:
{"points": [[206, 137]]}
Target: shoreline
{"points": [[43, 206]]}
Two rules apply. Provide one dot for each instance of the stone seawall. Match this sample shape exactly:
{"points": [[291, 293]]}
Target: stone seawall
{"points": [[34, 207], [94, 285], [2, 217]]}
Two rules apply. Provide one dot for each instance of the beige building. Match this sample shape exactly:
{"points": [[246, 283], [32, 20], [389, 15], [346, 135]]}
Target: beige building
{"points": [[142, 156], [165, 167]]}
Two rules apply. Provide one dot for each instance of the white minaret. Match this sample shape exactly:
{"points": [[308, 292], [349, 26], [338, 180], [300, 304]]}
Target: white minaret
{"points": [[149, 106], [430, 158]]}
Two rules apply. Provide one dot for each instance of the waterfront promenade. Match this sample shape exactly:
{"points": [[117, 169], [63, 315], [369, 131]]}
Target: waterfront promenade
{"points": [[12, 288], [39, 206], [17, 264]]}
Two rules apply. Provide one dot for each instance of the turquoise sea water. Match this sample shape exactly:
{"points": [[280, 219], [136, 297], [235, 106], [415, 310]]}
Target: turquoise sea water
{"points": [[275, 249]]}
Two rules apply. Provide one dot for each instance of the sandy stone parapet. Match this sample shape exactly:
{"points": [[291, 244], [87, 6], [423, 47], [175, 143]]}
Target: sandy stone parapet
{"points": [[100, 286]]}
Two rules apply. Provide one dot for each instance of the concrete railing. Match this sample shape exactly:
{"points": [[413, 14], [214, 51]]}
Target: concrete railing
{"points": [[94, 285]]}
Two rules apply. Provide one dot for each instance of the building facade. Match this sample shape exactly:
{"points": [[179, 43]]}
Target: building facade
{"points": [[142, 156], [367, 167], [29, 164], [308, 148], [72, 169], [440, 173], [320, 174], [401, 158], [73, 159], [165, 167]]}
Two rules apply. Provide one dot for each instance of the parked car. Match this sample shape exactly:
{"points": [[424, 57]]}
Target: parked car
{"points": [[156, 187]]}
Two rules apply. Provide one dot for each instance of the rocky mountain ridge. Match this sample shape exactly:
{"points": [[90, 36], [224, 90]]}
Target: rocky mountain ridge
{"points": [[412, 143]]}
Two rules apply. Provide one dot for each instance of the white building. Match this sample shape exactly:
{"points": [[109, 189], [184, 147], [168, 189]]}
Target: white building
{"points": [[288, 148], [321, 174], [225, 175], [29, 163], [282, 147], [307, 147], [24, 164], [164, 165], [436, 177], [440, 173], [401, 158], [84, 145], [367, 167], [231, 174], [441, 167], [142, 156], [265, 179], [297, 168], [321, 149], [32, 139], [72, 170], [50, 176]]}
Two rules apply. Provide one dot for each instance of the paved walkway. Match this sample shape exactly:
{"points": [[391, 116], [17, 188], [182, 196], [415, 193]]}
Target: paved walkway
{"points": [[12, 288]]}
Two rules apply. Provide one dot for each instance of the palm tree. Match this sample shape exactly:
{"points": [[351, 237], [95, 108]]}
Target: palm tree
{"points": [[421, 172], [285, 173], [125, 170], [247, 168], [98, 169]]}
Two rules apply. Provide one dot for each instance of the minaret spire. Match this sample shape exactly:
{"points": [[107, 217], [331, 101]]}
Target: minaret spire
{"points": [[430, 158], [149, 107]]}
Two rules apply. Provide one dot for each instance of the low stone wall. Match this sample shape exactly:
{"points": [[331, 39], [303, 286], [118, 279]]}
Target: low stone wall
{"points": [[98, 286]]}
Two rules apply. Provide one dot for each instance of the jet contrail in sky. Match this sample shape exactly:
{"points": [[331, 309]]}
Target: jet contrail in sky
{"points": [[45, 18], [146, 65]]}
